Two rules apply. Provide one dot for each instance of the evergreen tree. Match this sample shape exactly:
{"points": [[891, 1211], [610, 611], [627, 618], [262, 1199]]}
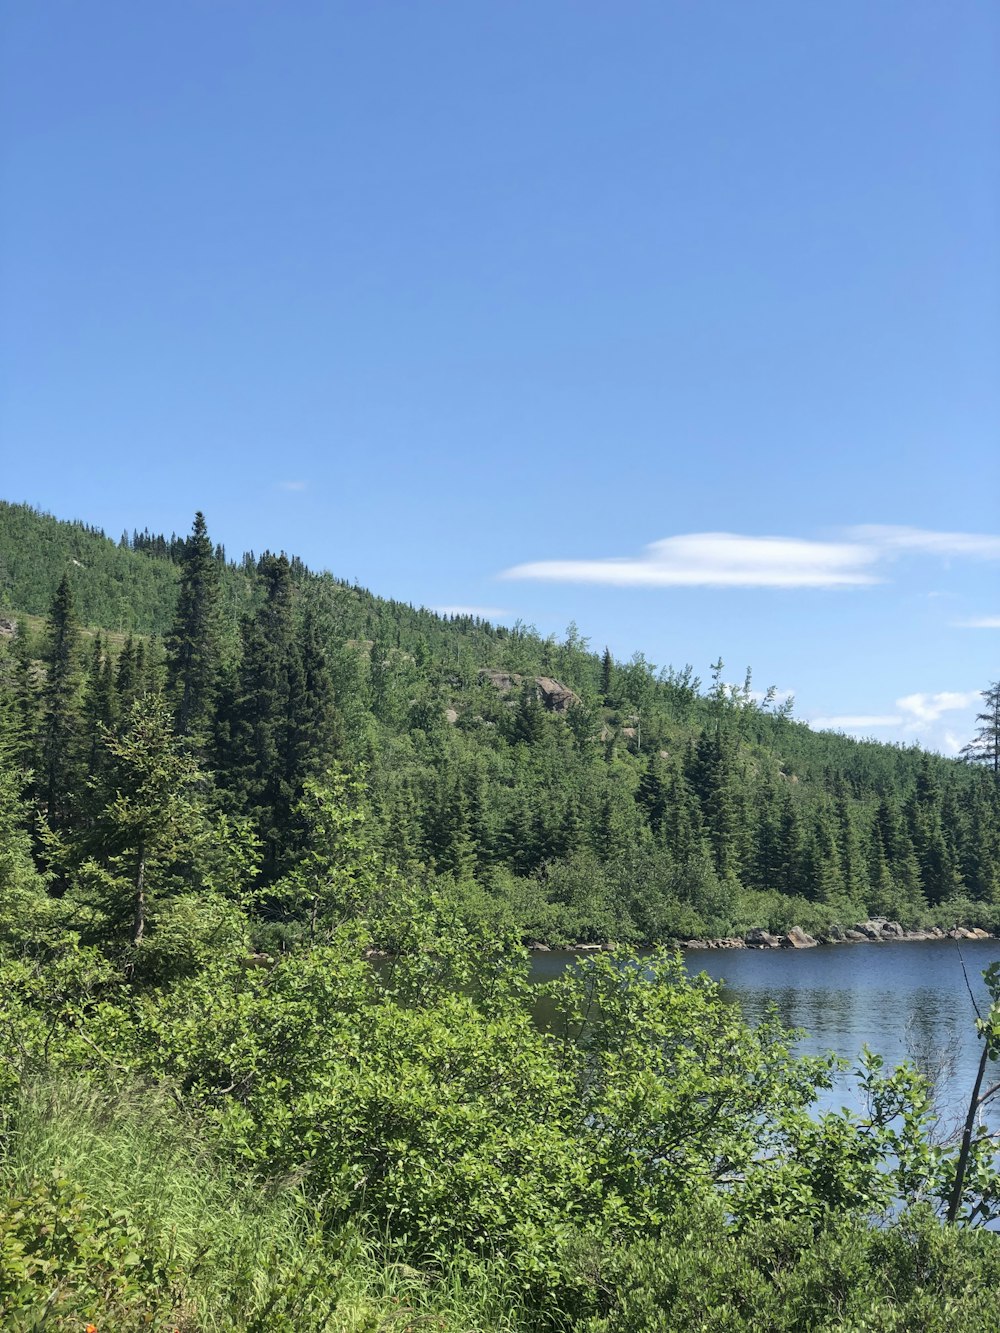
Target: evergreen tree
{"points": [[984, 748], [129, 682], [791, 849], [268, 758], [852, 866], [711, 775], [528, 723], [150, 814], [22, 888], [651, 793], [607, 677], [18, 701], [316, 728], [57, 766], [100, 707], [825, 878], [937, 858], [682, 827]]}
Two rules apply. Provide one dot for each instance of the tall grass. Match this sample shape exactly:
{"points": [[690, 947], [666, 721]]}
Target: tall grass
{"points": [[241, 1255]]}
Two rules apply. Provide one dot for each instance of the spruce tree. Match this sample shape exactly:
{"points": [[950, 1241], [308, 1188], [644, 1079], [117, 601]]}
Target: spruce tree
{"points": [[984, 748], [607, 677], [712, 777], [193, 643], [18, 701], [57, 753], [150, 815], [100, 707], [267, 762], [128, 678]]}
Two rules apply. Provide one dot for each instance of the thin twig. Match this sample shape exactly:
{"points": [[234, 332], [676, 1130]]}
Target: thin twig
{"points": [[968, 984]]}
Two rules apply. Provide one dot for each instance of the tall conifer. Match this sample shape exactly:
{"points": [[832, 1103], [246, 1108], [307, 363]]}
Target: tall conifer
{"points": [[193, 643], [60, 710]]}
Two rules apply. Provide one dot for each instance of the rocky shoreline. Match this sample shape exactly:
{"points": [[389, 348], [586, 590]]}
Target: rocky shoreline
{"points": [[876, 930]]}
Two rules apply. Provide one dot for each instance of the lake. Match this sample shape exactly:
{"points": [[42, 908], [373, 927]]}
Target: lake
{"points": [[906, 1000]]}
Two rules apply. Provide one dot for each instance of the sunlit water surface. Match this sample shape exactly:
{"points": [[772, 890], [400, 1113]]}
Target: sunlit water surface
{"points": [[905, 1000]]}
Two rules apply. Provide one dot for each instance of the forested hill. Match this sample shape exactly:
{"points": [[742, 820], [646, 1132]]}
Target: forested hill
{"points": [[530, 781]]}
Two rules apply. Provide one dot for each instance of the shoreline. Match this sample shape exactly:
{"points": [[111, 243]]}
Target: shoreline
{"points": [[876, 930]]}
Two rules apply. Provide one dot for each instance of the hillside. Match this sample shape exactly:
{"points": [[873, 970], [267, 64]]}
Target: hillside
{"points": [[533, 782]]}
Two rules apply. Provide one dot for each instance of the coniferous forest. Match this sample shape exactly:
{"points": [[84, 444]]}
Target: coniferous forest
{"points": [[536, 784], [270, 849]]}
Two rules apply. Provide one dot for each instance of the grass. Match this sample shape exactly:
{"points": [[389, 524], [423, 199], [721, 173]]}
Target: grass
{"points": [[241, 1256]]}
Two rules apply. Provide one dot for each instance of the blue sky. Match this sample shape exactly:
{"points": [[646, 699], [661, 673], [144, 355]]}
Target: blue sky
{"points": [[680, 321]]}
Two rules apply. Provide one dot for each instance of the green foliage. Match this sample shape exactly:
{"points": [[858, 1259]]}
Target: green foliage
{"points": [[263, 1136], [646, 811], [365, 1123], [787, 1277]]}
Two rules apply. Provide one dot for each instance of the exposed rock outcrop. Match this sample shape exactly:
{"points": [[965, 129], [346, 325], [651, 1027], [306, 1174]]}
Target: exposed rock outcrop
{"points": [[762, 939], [797, 938], [553, 695]]}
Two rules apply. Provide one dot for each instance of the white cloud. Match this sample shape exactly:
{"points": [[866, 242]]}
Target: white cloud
{"points": [[729, 560], [980, 545], [923, 709], [291, 485], [719, 560], [855, 721], [979, 622], [920, 717], [484, 612]]}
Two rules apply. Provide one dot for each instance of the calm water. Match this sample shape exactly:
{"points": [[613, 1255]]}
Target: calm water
{"points": [[904, 1000]]}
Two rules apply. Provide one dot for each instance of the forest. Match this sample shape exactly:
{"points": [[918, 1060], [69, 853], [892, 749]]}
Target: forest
{"points": [[271, 848], [535, 784]]}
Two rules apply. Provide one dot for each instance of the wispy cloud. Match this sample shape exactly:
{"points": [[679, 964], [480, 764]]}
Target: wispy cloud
{"points": [[730, 560], [484, 612], [978, 545], [719, 560], [856, 721], [292, 485], [979, 622], [916, 715], [924, 709]]}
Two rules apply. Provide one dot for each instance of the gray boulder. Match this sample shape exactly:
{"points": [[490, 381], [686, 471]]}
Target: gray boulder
{"points": [[797, 938], [762, 939]]}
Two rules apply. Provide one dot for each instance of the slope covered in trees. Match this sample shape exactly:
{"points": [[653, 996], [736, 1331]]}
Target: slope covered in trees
{"points": [[221, 1108], [630, 804]]}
